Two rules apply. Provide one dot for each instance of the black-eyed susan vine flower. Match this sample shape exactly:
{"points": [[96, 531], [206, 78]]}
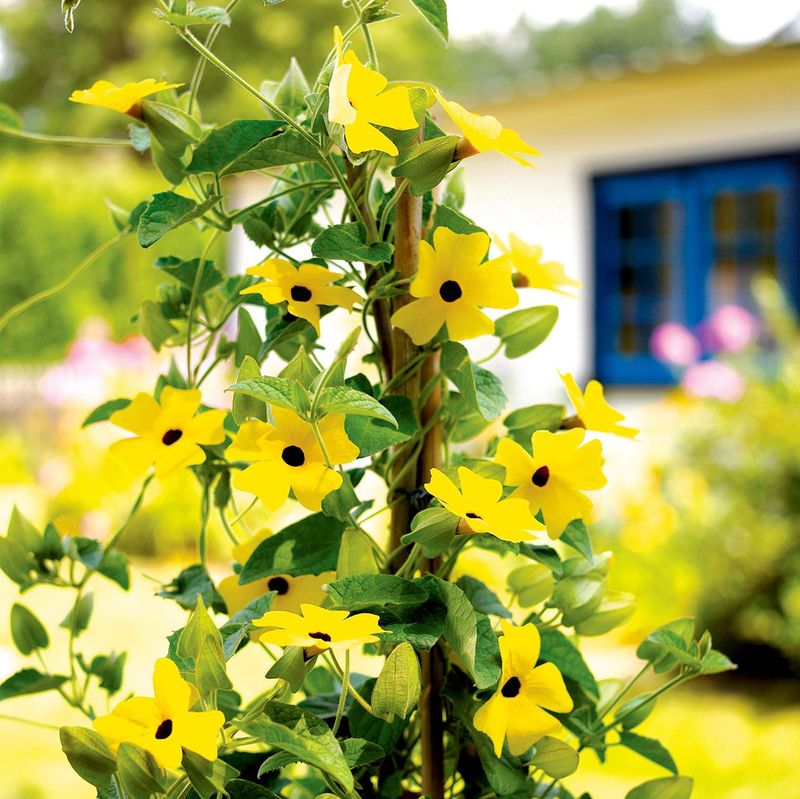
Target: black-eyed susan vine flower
{"points": [[592, 409], [554, 478], [319, 628], [361, 103], [290, 591], [167, 432], [304, 288], [479, 502], [517, 712], [127, 99], [532, 271], [451, 286], [287, 456], [164, 724], [486, 133]]}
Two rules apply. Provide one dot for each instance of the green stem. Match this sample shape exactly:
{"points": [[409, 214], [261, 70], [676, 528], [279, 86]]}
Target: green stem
{"points": [[355, 694], [44, 138], [604, 709], [343, 694], [29, 722], [234, 540], [20, 308], [202, 538], [666, 687], [198, 277]]}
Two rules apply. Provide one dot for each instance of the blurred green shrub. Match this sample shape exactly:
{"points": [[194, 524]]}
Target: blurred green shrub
{"points": [[724, 539], [51, 216]]}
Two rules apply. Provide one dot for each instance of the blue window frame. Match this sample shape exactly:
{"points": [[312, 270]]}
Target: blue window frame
{"points": [[674, 244]]}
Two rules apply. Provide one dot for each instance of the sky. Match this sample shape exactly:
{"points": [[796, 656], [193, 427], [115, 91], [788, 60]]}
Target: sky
{"points": [[739, 21]]}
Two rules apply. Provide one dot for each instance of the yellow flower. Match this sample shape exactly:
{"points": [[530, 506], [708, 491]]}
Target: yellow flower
{"points": [[304, 288], [554, 478], [319, 628], [537, 274], [517, 711], [452, 284], [480, 504], [167, 433], [485, 133], [593, 410], [126, 99], [288, 456], [164, 725], [290, 592], [357, 101]]}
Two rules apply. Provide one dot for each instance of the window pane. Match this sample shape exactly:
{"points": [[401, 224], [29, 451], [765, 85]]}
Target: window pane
{"points": [[745, 243], [646, 235]]}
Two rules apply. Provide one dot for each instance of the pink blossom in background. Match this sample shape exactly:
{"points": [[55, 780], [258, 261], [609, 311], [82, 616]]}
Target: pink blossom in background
{"points": [[675, 344], [730, 328], [713, 380]]}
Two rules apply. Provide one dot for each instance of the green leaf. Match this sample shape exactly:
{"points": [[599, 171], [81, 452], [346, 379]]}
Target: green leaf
{"points": [[419, 625], [348, 243], [535, 417], [292, 90], [479, 387], [109, 670], [155, 327], [435, 11], [461, 632], [224, 145], [375, 590], [578, 597], [560, 651], [208, 777], [248, 339], [15, 562], [201, 15], [649, 748], [372, 435], [667, 646], [9, 118], [482, 598], [185, 272], [191, 583], [278, 391], [140, 774], [27, 632], [284, 148], [433, 529], [397, 689], [455, 221], [356, 554], [29, 681], [302, 734], [115, 567], [635, 711], [23, 532], [555, 758], [664, 788], [243, 789], [715, 662], [88, 754], [301, 368], [360, 752], [524, 330], [199, 628], [577, 536], [425, 165], [167, 211], [350, 401], [77, 620], [309, 546], [244, 406], [371, 728], [102, 413]]}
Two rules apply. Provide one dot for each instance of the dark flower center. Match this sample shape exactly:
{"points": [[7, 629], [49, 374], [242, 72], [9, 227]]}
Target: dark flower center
{"points": [[164, 729], [450, 291], [300, 293], [280, 585], [320, 636], [540, 477], [171, 436], [472, 515], [511, 688], [293, 456]]}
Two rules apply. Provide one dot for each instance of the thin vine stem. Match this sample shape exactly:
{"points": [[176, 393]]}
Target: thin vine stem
{"points": [[20, 308], [198, 277], [46, 138]]}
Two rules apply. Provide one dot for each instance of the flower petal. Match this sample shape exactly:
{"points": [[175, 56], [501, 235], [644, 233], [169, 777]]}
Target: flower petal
{"points": [[206, 427], [519, 649], [138, 454], [138, 417], [492, 719], [545, 686], [466, 321], [339, 447], [312, 482], [420, 319], [198, 732], [517, 462], [172, 693], [443, 488], [267, 480]]}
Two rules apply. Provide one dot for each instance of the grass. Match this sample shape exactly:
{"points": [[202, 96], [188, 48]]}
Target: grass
{"points": [[736, 745]]}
